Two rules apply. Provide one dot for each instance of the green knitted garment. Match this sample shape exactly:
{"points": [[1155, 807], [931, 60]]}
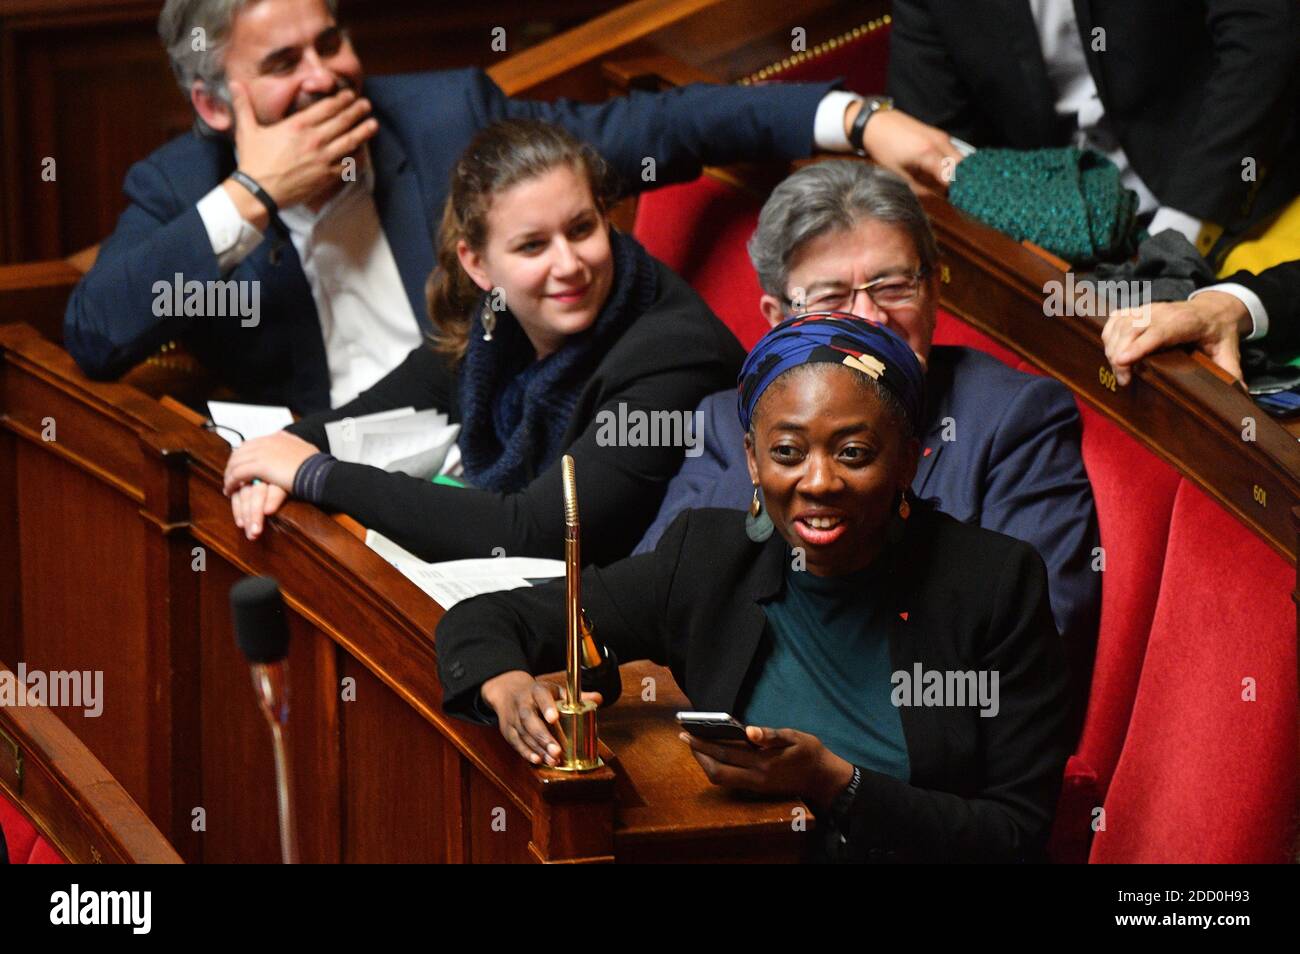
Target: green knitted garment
{"points": [[1068, 201]]}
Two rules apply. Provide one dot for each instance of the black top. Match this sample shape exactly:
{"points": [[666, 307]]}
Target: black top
{"points": [[1278, 289], [668, 360], [981, 789]]}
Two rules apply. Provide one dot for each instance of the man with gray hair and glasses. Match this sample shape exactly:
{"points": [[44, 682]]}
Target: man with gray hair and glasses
{"points": [[1000, 448], [313, 195]]}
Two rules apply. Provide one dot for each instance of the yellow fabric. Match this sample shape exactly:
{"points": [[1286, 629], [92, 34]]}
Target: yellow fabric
{"points": [[1279, 242]]}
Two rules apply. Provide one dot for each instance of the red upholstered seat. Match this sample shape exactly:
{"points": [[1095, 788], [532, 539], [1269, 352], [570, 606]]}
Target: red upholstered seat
{"points": [[1207, 774], [1134, 494], [699, 230], [25, 845], [861, 60]]}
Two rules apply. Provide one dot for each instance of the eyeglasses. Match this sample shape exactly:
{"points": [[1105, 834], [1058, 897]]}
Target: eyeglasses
{"points": [[888, 291]]}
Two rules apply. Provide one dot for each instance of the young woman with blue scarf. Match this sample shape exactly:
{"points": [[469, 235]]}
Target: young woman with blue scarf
{"points": [[547, 317]]}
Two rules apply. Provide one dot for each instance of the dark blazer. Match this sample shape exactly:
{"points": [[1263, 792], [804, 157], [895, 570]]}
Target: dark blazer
{"points": [[1278, 289], [981, 789], [425, 120], [1012, 464], [670, 357], [1191, 87]]}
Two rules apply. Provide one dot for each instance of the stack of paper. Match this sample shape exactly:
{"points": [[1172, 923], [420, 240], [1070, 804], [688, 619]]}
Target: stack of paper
{"points": [[451, 581], [242, 422], [419, 443]]}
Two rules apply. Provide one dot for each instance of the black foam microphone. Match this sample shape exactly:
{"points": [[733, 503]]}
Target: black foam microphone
{"points": [[262, 633]]}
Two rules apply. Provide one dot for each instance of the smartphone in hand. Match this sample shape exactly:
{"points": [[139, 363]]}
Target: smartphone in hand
{"points": [[713, 726]]}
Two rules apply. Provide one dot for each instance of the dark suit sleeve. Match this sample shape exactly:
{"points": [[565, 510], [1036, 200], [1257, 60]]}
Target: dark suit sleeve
{"points": [[681, 129], [1009, 814], [692, 486], [620, 486], [524, 629], [421, 381], [923, 80], [1249, 99], [1037, 490], [1278, 289], [109, 325]]}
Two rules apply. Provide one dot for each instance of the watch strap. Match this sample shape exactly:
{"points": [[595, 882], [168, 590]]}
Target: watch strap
{"points": [[260, 194], [870, 106]]}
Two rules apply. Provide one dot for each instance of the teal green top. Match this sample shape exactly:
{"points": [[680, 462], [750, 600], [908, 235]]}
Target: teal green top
{"points": [[826, 670]]}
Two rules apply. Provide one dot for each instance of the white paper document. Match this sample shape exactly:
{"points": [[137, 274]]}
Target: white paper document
{"points": [[242, 422], [451, 581], [401, 441]]}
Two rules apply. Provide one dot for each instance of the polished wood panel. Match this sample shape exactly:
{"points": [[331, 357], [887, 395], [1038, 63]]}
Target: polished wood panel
{"points": [[82, 604], [400, 813]]}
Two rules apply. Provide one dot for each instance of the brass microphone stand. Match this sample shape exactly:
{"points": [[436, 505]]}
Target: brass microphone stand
{"points": [[578, 735]]}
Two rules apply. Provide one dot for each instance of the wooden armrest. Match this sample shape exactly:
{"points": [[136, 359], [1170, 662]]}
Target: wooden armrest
{"points": [[195, 418], [36, 293], [655, 72]]}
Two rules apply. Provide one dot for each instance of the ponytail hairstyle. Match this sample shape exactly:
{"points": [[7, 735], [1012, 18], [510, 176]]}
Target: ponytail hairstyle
{"points": [[500, 156]]}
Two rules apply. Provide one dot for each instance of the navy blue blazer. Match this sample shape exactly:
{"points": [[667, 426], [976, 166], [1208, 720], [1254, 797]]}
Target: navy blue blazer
{"points": [[1011, 464], [425, 122]]}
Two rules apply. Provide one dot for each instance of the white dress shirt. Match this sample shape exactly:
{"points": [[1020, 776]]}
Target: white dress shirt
{"points": [[365, 316], [1076, 95]]}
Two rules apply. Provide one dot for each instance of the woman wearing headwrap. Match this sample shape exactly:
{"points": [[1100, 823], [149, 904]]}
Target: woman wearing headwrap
{"points": [[897, 670]]}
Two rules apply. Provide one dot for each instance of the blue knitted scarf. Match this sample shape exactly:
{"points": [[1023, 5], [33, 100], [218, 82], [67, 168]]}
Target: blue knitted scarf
{"points": [[515, 409]]}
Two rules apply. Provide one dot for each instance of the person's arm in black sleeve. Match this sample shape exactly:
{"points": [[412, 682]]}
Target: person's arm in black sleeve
{"points": [[1024, 747], [923, 79], [1248, 101], [681, 129], [524, 629], [619, 488], [110, 324], [1278, 290], [421, 381]]}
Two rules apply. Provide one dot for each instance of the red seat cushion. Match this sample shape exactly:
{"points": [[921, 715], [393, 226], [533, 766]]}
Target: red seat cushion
{"points": [[25, 845], [699, 229], [43, 854], [1134, 494], [1205, 775]]}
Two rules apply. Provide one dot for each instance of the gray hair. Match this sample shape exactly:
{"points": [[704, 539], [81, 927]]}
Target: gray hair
{"points": [[832, 196], [194, 33]]}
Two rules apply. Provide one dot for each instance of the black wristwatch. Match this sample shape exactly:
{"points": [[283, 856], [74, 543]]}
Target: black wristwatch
{"points": [[870, 106], [260, 194], [843, 803]]}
